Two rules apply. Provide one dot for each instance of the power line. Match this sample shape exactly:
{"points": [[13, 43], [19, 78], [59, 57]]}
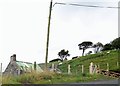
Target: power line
{"points": [[93, 6]]}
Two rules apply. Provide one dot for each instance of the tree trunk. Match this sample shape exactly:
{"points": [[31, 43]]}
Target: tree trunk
{"points": [[97, 50], [83, 52]]}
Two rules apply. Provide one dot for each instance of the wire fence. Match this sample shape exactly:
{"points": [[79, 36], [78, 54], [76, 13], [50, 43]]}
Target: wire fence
{"points": [[85, 68]]}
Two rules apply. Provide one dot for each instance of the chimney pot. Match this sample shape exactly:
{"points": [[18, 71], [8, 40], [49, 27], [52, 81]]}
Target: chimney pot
{"points": [[13, 57]]}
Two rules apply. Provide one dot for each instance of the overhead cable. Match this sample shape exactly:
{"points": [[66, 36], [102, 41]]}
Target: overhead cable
{"points": [[94, 6]]}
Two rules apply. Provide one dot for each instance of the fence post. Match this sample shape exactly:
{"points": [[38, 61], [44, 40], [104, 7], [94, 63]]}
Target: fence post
{"points": [[117, 64], [69, 72], [53, 67], [91, 69], [95, 69], [98, 66], [107, 66]]}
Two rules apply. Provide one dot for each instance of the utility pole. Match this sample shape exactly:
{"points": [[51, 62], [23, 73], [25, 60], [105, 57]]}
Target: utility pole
{"points": [[48, 33]]}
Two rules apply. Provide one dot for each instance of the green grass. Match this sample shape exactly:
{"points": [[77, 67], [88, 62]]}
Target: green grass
{"points": [[52, 78], [99, 59], [76, 76]]}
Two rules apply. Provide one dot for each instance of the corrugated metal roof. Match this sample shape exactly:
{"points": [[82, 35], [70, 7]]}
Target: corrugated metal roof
{"points": [[26, 66]]}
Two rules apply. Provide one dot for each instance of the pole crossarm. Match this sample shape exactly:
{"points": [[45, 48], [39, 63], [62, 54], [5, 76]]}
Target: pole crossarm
{"points": [[93, 6]]}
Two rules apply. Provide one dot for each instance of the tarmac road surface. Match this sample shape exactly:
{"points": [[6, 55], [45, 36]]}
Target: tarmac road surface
{"points": [[114, 82]]}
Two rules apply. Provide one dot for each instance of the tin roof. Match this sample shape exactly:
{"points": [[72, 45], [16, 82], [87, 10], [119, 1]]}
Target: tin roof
{"points": [[26, 66]]}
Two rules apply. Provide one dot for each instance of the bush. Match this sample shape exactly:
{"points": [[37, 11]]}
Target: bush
{"points": [[116, 43], [56, 60], [107, 47]]}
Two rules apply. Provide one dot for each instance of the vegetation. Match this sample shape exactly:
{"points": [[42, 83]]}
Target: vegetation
{"points": [[99, 59], [98, 46], [116, 43], [56, 60], [107, 46], [85, 45], [76, 76], [89, 52], [63, 54], [51, 78], [108, 55]]}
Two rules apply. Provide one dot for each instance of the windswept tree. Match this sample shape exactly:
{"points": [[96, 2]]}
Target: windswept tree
{"points": [[97, 47], [116, 43], [63, 54], [85, 45], [107, 46], [55, 60]]}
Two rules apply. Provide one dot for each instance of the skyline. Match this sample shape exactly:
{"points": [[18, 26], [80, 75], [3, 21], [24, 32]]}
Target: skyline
{"points": [[24, 28]]}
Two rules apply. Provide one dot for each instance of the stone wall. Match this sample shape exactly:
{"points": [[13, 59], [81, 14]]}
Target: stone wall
{"points": [[12, 69]]}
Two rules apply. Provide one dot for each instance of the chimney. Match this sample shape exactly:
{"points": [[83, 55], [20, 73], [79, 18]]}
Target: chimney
{"points": [[35, 66], [13, 58]]}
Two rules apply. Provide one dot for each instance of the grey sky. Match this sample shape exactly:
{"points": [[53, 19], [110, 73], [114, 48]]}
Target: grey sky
{"points": [[23, 27]]}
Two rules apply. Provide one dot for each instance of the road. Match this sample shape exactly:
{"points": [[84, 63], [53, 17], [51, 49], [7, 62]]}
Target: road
{"points": [[114, 82], [94, 83], [103, 82]]}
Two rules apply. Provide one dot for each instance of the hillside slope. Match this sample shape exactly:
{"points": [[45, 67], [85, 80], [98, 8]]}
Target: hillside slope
{"points": [[100, 59]]}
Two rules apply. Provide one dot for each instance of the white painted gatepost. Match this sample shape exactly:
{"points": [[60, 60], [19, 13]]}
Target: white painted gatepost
{"points": [[69, 69], [92, 68]]}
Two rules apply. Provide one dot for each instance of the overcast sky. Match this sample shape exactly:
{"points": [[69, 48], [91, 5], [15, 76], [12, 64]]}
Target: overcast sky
{"points": [[23, 27]]}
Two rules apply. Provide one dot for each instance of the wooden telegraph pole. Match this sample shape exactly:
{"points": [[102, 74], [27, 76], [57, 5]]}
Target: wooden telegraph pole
{"points": [[48, 33]]}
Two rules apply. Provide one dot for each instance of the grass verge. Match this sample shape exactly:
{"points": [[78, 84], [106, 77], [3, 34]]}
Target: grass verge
{"points": [[52, 78]]}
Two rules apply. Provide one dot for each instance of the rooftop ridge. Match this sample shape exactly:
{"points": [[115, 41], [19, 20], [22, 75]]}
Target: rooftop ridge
{"points": [[24, 62]]}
